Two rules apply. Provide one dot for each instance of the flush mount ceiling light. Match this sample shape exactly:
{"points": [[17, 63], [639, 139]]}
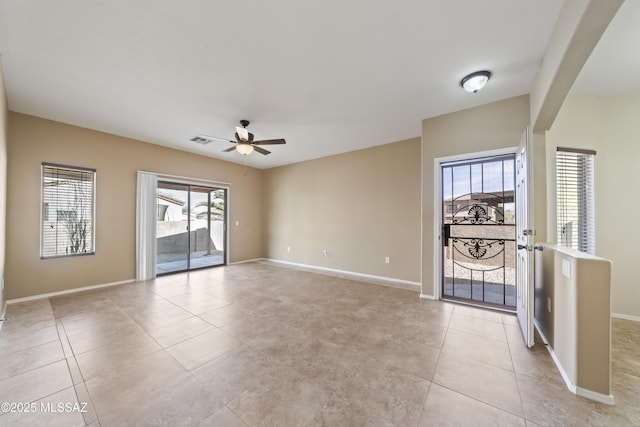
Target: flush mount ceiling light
{"points": [[475, 81]]}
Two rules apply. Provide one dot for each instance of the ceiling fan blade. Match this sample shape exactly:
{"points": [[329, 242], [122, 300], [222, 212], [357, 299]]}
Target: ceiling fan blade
{"points": [[261, 150], [205, 139], [270, 142], [222, 139], [229, 149]]}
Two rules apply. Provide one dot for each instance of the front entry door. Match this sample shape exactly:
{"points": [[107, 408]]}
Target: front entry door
{"points": [[524, 236], [478, 212]]}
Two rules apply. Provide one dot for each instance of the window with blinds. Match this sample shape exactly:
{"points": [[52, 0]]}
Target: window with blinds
{"points": [[68, 201], [575, 199]]}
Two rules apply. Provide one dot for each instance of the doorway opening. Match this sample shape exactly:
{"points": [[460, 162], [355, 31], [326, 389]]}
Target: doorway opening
{"points": [[191, 227], [479, 232]]}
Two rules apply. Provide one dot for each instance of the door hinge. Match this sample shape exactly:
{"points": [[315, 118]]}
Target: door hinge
{"points": [[529, 232]]}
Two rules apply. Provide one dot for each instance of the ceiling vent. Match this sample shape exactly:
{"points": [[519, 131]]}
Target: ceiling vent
{"points": [[202, 139]]}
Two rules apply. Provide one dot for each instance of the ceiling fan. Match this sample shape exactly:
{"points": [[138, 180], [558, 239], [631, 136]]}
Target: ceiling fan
{"points": [[244, 143]]}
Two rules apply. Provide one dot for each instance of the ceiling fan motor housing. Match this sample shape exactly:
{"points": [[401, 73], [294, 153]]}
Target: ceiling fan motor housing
{"points": [[249, 140]]}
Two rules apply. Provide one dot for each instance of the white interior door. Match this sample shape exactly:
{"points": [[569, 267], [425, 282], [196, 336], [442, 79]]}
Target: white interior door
{"points": [[524, 239]]}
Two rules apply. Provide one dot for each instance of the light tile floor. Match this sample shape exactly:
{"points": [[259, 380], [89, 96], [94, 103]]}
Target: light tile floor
{"points": [[262, 345]]}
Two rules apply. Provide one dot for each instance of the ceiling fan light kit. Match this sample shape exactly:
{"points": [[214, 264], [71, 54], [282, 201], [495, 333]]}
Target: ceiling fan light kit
{"points": [[475, 81], [244, 149]]}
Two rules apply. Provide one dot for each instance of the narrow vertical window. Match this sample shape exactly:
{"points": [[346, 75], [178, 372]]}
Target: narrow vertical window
{"points": [[68, 217], [575, 199]]}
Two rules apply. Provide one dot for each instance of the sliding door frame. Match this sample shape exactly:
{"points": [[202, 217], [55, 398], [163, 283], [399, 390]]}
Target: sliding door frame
{"points": [[214, 185]]}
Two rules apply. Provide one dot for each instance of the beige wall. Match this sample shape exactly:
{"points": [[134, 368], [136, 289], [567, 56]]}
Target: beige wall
{"points": [[580, 326], [617, 236], [608, 125], [489, 127], [360, 206], [3, 181], [33, 141]]}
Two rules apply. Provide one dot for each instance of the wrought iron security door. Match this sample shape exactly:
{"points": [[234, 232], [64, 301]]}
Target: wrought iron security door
{"points": [[478, 232]]}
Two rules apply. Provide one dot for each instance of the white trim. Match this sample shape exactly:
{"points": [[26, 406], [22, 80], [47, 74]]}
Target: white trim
{"points": [[379, 280], [565, 376], [425, 296], [176, 179], [437, 205], [544, 338], [579, 391], [437, 223], [2, 314], [68, 291], [625, 317], [188, 180], [598, 397], [248, 260], [422, 163], [227, 225]]}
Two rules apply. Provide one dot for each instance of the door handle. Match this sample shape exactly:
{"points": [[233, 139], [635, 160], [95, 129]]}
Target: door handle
{"points": [[530, 248], [446, 234]]}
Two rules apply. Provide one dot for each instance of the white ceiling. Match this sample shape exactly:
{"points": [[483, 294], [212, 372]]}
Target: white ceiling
{"points": [[330, 76]]}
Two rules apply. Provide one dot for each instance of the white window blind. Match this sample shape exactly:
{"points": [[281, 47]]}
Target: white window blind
{"points": [[68, 201], [575, 199]]}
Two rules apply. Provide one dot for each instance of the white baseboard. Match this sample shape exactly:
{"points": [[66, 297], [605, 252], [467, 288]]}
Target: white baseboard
{"points": [[247, 260], [625, 317], [68, 291], [378, 280], [544, 338], [431, 297], [2, 313], [589, 394], [598, 397]]}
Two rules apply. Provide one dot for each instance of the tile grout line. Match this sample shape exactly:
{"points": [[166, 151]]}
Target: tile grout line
{"points": [[473, 398], [72, 386], [84, 381], [435, 368], [521, 381], [515, 376]]}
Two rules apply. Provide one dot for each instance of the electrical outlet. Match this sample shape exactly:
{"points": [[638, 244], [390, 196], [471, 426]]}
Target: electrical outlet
{"points": [[288, 248], [237, 223], [387, 260], [324, 252]]}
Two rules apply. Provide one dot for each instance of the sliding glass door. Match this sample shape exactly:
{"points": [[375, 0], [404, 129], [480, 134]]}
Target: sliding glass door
{"points": [[191, 227], [207, 243]]}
